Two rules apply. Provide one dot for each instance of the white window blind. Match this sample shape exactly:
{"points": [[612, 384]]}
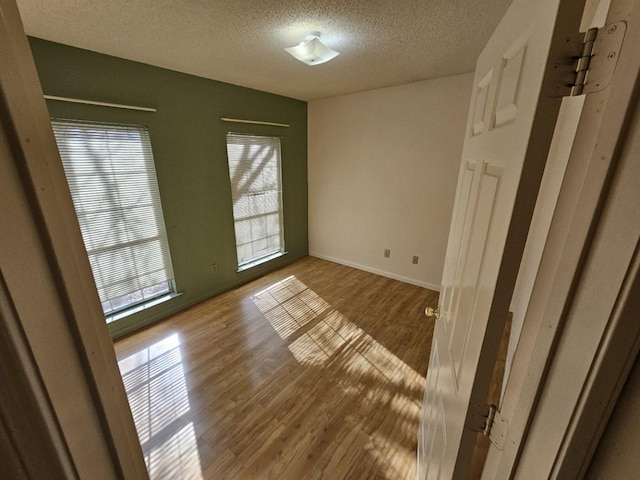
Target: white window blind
{"points": [[112, 178], [256, 190]]}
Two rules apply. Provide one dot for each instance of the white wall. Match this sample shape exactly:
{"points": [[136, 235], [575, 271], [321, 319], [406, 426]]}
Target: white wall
{"points": [[383, 167]]}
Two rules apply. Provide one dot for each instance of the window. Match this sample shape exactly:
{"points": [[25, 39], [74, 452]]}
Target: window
{"points": [[256, 190], [112, 178]]}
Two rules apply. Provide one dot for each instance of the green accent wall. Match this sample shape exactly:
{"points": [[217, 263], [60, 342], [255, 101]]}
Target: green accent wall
{"points": [[189, 147]]}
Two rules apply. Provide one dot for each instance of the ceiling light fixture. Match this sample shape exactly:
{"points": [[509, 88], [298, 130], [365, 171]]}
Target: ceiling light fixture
{"points": [[312, 51]]}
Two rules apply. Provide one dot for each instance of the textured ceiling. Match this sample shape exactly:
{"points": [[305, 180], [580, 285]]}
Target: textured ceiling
{"points": [[382, 42]]}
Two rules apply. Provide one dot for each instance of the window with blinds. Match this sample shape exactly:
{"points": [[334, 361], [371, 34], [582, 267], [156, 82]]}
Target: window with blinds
{"points": [[256, 190], [112, 178]]}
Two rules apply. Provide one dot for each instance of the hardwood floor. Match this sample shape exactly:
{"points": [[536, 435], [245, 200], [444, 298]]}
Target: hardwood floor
{"points": [[314, 371]]}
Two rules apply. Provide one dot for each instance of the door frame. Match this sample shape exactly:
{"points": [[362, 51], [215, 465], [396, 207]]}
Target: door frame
{"points": [[62, 325], [52, 209], [544, 439]]}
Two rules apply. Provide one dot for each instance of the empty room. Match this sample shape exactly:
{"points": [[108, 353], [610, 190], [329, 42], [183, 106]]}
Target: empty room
{"points": [[352, 240]]}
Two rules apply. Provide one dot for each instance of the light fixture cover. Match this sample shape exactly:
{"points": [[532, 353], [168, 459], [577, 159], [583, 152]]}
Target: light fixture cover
{"points": [[312, 51]]}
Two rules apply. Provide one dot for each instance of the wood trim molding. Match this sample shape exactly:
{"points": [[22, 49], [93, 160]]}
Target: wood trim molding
{"points": [[33, 445], [50, 211]]}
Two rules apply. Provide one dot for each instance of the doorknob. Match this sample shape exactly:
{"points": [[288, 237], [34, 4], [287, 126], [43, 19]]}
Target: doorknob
{"points": [[432, 312]]}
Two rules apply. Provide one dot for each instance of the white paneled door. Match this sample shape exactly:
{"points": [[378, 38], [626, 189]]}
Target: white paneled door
{"points": [[509, 130]]}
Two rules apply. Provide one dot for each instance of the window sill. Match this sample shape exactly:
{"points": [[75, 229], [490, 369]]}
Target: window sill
{"points": [[140, 307], [260, 261]]}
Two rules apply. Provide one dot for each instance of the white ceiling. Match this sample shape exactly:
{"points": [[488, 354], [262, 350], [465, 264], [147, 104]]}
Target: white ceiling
{"points": [[382, 42]]}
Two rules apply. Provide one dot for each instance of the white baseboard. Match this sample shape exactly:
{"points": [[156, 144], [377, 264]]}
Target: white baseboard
{"points": [[383, 273]]}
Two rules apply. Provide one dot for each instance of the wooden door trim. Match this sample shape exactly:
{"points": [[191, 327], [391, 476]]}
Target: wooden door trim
{"points": [[33, 445], [35, 156], [577, 219]]}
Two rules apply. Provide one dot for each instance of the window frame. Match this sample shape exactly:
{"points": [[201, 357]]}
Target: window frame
{"points": [[151, 188], [281, 250]]}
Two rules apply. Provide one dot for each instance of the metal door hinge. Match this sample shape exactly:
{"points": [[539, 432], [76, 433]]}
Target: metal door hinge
{"points": [[587, 61], [488, 420]]}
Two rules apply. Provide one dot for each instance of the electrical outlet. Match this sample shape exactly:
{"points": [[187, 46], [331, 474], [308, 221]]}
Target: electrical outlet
{"points": [[387, 253], [415, 260], [214, 268]]}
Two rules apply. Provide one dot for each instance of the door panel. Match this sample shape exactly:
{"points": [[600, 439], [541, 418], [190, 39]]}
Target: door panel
{"points": [[467, 197], [480, 104], [509, 131], [433, 442], [484, 209], [511, 75]]}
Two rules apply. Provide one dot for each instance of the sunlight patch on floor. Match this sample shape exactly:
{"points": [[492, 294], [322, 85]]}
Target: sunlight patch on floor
{"points": [[288, 305], [367, 369], [155, 383]]}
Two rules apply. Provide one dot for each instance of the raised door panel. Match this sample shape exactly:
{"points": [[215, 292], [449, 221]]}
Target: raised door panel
{"points": [[460, 234], [434, 445], [508, 89], [485, 208], [480, 104]]}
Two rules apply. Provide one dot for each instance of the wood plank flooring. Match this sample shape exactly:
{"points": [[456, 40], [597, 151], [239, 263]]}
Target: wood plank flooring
{"points": [[314, 371]]}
